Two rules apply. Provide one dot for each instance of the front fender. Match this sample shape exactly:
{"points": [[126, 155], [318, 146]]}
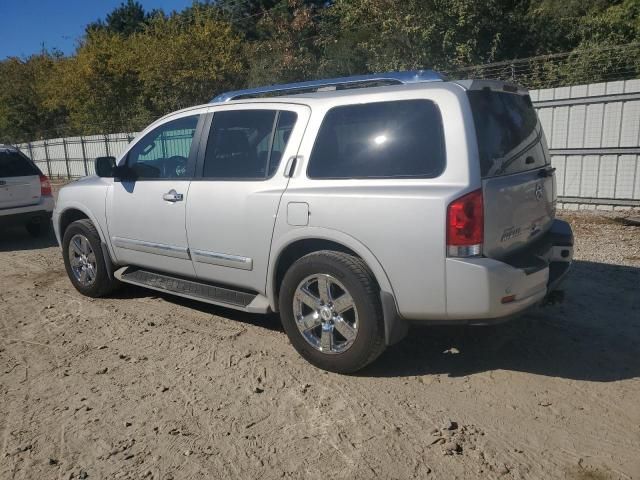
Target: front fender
{"points": [[91, 204]]}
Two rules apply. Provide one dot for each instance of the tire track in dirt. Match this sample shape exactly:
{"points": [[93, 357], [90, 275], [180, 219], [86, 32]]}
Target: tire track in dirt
{"points": [[546, 399]]}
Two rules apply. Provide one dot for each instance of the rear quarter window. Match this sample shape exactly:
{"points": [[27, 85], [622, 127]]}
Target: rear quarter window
{"points": [[401, 139], [15, 164]]}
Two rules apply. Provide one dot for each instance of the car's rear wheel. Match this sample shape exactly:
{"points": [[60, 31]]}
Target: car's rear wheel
{"points": [[330, 308], [84, 260]]}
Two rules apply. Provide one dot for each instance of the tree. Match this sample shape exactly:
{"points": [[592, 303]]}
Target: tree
{"points": [[286, 46], [24, 110], [134, 65], [126, 19], [187, 58], [99, 86]]}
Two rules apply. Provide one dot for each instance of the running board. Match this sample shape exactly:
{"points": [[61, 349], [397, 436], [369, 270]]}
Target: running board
{"points": [[194, 290]]}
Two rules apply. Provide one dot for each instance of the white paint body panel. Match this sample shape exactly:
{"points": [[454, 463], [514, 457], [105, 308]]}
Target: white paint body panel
{"points": [[150, 220], [236, 217], [44, 204], [19, 192]]}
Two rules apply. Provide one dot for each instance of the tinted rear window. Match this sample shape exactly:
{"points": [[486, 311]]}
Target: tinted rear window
{"points": [[247, 144], [402, 139], [14, 164], [509, 137]]}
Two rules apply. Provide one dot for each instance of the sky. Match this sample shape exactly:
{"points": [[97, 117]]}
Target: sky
{"points": [[27, 24]]}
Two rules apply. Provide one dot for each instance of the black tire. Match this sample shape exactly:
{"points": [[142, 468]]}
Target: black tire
{"points": [[102, 284], [353, 273], [38, 228]]}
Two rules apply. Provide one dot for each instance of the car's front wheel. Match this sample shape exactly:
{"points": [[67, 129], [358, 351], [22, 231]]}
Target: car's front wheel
{"points": [[330, 308], [84, 260]]}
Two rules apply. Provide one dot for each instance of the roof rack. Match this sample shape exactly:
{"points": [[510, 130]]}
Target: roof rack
{"points": [[357, 81]]}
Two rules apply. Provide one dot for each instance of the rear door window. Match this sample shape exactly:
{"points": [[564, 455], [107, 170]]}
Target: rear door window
{"points": [[401, 139], [510, 139], [247, 144], [15, 164]]}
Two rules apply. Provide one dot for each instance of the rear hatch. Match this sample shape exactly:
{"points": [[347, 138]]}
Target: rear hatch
{"points": [[517, 181], [19, 180]]}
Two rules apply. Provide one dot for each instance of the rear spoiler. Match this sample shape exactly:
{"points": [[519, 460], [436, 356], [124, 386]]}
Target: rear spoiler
{"points": [[493, 85]]}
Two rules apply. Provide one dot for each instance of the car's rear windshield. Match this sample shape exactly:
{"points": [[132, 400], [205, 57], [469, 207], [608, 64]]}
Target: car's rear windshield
{"points": [[509, 137], [14, 164]]}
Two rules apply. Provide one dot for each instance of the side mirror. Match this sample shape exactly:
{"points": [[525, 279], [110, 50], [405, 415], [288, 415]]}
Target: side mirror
{"points": [[105, 166], [124, 172]]}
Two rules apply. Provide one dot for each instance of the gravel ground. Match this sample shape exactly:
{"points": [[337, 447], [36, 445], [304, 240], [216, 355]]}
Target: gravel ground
{"points": [[145, 386]]}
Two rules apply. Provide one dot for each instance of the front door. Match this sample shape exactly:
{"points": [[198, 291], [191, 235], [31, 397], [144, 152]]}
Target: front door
{"points": [[147, 215], [234, 199]]}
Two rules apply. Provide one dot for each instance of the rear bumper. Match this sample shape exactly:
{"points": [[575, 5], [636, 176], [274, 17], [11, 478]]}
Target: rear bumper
{"points": [[22, 215], [483, 290]]}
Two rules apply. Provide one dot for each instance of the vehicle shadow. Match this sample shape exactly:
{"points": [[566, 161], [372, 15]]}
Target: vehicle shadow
{"points": [[270, 321], [17, 239], [594, 335]]}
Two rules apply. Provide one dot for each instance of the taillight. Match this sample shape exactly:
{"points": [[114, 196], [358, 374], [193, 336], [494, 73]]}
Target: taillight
{"points": [[45, 186], [465, 225]]}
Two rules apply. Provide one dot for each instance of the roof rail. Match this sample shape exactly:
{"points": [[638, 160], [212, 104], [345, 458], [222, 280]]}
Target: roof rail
{"points": [[357, 81]]}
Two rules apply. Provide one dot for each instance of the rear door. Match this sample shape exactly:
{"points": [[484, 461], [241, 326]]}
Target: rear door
{"points": [[234, 199], [517, 181], [19, 180]]}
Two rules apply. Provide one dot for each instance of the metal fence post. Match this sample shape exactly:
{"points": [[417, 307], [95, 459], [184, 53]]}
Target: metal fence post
{"points": [[66, 157], [106, 145], [30, 151], [84, 155], [46, 156]]}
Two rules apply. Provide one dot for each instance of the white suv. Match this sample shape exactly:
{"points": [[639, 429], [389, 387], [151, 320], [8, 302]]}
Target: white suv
{"points": [[25, 193], [353, 212]]}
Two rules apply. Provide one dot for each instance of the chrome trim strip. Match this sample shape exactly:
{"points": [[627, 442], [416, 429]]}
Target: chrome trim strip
{"points": [[222, 259], [149, 247]]}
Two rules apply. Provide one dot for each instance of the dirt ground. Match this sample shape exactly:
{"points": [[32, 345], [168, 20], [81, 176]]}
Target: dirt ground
{"points": [[146, 386]]}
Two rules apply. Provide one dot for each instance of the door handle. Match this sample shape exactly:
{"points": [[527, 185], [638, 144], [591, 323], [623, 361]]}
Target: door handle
{"points": [[172, 196], [290, 168]]}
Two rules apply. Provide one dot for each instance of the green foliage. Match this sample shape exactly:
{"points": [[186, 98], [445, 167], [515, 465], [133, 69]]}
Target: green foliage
{"points": [[417, 33], [134, 65], [126, 19], [24, 94], [285, 50]]}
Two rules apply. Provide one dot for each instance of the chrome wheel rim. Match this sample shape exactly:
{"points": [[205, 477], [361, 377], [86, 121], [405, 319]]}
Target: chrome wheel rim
{"points": [[82, 260], [325, 314]]}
